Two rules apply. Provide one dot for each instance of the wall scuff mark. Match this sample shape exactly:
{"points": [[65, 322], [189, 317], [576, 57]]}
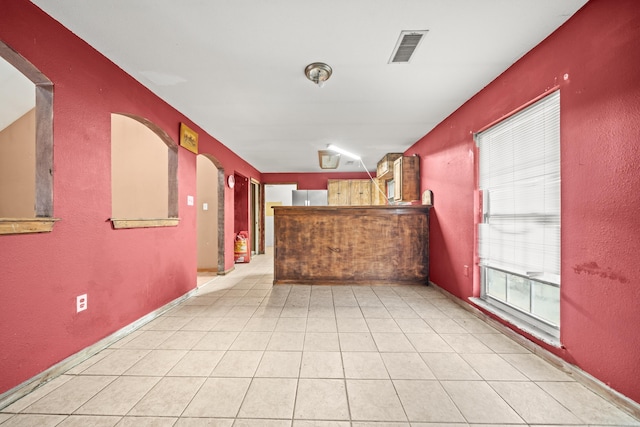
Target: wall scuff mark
{"points": [[593, 269]]}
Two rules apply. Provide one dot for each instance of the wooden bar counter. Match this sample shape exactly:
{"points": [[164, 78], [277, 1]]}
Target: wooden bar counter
{"points": [[351, 245]]}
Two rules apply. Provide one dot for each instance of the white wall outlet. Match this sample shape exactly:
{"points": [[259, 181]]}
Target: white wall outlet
{"points": [[205, 206], [189, 200], [81, 303]]}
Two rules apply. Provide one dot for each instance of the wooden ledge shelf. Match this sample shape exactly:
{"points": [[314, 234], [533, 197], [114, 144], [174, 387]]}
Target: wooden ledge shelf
{"points": [[120, 223], [26, 225]]}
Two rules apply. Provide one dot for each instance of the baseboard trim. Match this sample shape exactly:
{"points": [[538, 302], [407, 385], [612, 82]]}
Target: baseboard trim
{"points": [[21, 390], [225, 272], [586, 379], [207, 270]]}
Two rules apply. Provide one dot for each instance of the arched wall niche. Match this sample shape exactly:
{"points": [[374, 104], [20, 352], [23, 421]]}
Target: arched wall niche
{"points": [[220, 207], [138, 197]]}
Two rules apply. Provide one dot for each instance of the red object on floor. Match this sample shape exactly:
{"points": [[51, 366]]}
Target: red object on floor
{"points": [[241, 247]]}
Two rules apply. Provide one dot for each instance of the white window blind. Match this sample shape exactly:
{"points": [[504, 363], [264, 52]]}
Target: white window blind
{"points": [[520, 183]]}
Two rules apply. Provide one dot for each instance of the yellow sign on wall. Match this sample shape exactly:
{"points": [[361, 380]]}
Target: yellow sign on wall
{"points": [[271, 205], [188, 138]]}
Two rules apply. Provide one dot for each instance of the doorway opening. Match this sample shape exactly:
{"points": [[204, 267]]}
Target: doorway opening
{"points": [[210, 218], [275, 195], [257, 219]]}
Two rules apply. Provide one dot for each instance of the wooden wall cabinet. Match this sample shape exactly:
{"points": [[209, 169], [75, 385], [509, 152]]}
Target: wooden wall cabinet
{"points": [[378, 192], [349, 192], [406, 178], [338, 193], [385, 166], [360, 192]]}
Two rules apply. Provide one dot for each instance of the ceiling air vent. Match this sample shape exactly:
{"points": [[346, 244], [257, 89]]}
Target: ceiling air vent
{"points": [[406, 45]]}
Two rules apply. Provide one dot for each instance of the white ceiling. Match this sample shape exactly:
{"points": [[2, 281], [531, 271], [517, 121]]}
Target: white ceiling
{"points": [[236, 67]]}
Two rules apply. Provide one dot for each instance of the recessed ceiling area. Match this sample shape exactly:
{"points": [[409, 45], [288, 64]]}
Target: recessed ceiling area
{"points": [[237, 68]]}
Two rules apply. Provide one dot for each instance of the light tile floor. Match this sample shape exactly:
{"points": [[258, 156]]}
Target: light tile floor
{"points": [[244, 353]]}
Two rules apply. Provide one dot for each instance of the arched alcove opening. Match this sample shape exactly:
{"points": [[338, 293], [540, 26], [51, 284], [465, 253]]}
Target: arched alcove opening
{"points": [[210, 191], [144, 165]]}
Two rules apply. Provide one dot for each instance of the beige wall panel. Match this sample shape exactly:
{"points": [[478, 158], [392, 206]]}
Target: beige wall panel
{"points": [[207, 193], [139, 172], [18, 168]]}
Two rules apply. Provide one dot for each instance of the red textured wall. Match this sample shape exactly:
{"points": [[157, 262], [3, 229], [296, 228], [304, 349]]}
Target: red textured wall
{"points": [[599, 50], [126, 273], [311, 181], [241, 204], [241, 210]]}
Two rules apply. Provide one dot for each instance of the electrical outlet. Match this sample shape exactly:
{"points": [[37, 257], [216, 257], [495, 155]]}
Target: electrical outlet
{"points": [[466, 271], [81, 303]]}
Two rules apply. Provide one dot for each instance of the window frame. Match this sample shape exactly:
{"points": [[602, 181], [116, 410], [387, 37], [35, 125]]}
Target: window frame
{"points": [[527, 320], [43, 220]]}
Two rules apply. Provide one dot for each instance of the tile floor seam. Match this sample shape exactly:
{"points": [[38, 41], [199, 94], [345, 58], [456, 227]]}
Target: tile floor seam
{"points": [[295, 399], [403, 405], [551, 397], [132, 406], [509, 404], [524, 423], [344, 377]]}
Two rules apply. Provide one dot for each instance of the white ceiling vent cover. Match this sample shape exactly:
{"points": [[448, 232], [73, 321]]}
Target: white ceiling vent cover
{"points": [[406, 45]]}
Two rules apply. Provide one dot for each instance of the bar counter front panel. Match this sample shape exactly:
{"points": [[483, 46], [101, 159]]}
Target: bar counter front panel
{"points": [[367, 245]]}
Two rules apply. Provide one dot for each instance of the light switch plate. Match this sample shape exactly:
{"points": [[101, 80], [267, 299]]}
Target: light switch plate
{"points": [[189, 200]]}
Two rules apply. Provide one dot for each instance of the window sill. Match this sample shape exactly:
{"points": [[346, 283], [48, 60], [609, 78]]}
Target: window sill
{"points": [[518, 323], [26, 225], [119, 223]]}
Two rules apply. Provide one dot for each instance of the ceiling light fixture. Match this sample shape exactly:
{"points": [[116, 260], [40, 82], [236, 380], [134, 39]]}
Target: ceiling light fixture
{"points": [[328, 159], [318, 72], [344, 152]]}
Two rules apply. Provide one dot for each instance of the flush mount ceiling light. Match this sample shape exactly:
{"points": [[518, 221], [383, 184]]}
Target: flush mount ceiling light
{"points": [[318, 72], [328, 159]]}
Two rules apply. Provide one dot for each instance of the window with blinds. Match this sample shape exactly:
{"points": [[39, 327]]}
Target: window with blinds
{"points": [[519, 237]]}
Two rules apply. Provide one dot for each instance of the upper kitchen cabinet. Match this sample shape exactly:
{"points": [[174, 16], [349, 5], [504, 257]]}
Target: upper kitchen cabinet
{"points": [[378, 192], [360, 192], [406, 177], [338, 192], [351, 192], [385, 166]]}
